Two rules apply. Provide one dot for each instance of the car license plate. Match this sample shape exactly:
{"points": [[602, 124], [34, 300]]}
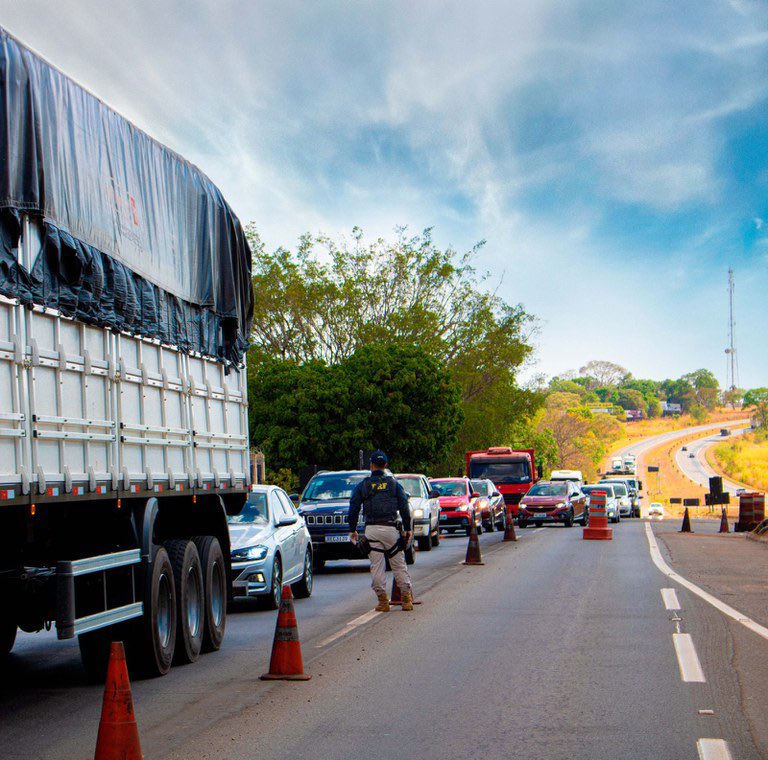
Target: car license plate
{"points": [[337, 539], [540, 517]]}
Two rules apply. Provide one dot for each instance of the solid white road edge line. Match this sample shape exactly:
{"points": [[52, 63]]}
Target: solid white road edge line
{"points": [[713, 749], [669, 595], [687, 659], [350, 626], [658, 560]]}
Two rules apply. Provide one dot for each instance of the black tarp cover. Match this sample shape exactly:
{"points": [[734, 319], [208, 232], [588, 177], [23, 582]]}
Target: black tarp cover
{"points": [[135, 237]]}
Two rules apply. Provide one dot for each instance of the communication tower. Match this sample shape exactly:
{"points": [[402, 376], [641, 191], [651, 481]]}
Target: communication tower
{"points": [[732, 368]]}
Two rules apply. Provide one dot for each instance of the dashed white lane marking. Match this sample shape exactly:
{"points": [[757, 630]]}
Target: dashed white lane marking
{"points": [[350, 626], [669, 595], [687, 659], [713, 749], [658, 560]]}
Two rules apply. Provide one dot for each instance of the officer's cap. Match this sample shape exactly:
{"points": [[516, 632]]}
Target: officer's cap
{"points": [[379, 457]]}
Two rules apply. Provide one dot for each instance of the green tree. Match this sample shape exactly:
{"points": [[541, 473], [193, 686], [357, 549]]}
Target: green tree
{"points": [[389, 396], [628, 398], [756, 396]]}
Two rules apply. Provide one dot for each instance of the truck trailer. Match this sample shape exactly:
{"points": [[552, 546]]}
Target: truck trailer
{"points": [[125, 309]]}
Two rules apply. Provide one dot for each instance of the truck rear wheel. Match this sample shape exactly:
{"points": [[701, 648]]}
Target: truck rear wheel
{"points": [[7, 636], [152, 641], [214, 591], [190, 599]]}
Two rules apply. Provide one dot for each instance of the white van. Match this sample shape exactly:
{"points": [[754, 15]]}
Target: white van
{"points": [[573, 475]]}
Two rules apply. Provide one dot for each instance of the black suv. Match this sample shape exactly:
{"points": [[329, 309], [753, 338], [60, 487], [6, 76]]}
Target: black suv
{"points": [[324, 505]]}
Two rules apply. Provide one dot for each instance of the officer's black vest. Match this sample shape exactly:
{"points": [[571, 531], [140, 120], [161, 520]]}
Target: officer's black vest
{"points": [[380, 499]]}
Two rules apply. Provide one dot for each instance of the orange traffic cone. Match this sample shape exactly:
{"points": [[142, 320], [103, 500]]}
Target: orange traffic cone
{"points": [[397, 594], [509, 528], [118, 732], [286, 663], [686, 528], [473, 548], [724, 523]]}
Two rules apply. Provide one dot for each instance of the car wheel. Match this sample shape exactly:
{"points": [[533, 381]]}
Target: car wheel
{"points": [[190, 599], [522, 524], [568, 522], [424, 543], [275, 596], [436, 537], [214, 591], [302, 589], [585, 518]]}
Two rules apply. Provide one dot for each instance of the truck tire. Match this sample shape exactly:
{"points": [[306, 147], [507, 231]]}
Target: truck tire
{"points": [[151, 649], [435, 539], [7, 636], [424, 543], [214, 591], [190, 599], [94, 651]]}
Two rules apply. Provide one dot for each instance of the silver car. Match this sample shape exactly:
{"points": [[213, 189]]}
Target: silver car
{"points": [[611, 501], [270, 546], [424, 503]]}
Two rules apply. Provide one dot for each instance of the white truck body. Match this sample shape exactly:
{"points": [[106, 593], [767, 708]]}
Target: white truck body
{"points": [[85, 411]]}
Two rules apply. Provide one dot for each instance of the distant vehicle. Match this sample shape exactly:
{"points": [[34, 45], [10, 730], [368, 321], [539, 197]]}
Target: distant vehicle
{"points": [[558, 501], [424, 503], [572, 475], [324, 505], [656, 510], [691, 455], [611, 502], [740, 491], [617, 464], [512, 471], [457, 504], [621, 490], [725, 431], [685, 448], [490, 504], [630, 464], [270, 546], [634, 486]]}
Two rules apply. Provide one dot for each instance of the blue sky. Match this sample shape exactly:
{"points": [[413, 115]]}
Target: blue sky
{"points": [[614, 155]]}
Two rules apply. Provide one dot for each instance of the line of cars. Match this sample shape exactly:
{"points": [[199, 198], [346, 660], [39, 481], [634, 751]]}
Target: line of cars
{"points": [[279, 539]]}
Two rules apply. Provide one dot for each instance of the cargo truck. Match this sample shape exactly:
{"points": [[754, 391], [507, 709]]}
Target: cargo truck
{"points": [[512, 471], [125, 309]]}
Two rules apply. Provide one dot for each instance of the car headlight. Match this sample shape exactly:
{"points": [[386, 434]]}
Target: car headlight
{"points": [[482, 503], [462, 508], [418, 513], [257, 552], [560, 505]]}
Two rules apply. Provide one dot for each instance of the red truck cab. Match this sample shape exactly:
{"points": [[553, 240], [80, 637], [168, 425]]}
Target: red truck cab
{"points": [[512, 471]]}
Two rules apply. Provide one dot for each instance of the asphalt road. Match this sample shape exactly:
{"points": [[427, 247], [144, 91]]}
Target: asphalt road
{"points": [[555, 648], [693, 463]]}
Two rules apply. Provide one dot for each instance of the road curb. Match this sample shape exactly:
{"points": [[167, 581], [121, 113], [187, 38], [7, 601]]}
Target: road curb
{"points": [[755, 537]]}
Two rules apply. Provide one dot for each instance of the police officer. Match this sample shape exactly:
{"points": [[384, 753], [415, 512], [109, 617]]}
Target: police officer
{"points": [[381, 498]]}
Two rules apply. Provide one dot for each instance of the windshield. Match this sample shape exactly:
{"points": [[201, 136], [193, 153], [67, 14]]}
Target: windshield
{"points": [[501, 472], [332, 485], [547, 489], [480, 486], [411, 486], [254, 510], [619, 489], [450, 487], [588, 489]]}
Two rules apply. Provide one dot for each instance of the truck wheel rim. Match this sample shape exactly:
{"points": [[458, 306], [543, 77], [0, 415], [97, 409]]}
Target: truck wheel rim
{"points": [[308, 572], [193, 602], [217, 598], [164, 611]]}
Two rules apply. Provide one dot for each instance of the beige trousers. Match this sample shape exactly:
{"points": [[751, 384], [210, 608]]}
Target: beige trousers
{"points": [[385, 537]]}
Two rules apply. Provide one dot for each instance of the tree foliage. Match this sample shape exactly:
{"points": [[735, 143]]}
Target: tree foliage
{"points": [[382, 396], [600, 373]]}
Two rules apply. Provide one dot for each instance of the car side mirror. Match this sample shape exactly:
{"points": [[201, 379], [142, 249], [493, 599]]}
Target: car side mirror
{"points": [[434, 494], [475, 495], [287, 520], [294, 497]]}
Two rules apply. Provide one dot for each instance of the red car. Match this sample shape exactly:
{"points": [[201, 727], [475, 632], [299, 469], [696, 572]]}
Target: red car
{"points": [[553, 501], [457, 505]]}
